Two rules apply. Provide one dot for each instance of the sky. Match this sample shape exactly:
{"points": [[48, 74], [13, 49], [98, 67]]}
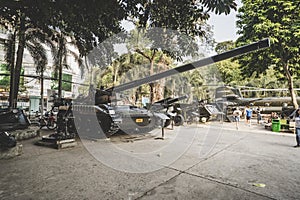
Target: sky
{"points": [[224, 27]]}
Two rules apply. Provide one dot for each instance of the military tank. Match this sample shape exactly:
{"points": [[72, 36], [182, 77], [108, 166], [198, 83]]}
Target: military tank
{"points": [[98, 109], [112, 118]]}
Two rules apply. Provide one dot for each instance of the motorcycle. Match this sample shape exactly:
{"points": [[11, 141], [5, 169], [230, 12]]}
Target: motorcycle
{"points": [[48, 120]]}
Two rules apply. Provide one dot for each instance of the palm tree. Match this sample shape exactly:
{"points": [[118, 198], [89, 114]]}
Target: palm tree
{"points": [[33, 39], [60, 54], [10, 51], [39, 55], [22, 34]]}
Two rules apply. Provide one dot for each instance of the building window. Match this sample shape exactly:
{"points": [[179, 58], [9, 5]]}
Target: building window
{"points": [[66, 84]]}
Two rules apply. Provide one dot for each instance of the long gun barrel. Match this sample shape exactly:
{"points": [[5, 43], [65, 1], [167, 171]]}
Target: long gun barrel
{"points": [[166, 103], [173, 100], [170, 100], [200, 63]]}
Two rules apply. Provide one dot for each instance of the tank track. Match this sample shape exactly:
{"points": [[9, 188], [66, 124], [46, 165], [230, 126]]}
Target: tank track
{"points": [[93, 116]]}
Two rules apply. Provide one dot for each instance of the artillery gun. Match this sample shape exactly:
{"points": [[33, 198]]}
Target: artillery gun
{"points": [[172, 109], [113, 118]]}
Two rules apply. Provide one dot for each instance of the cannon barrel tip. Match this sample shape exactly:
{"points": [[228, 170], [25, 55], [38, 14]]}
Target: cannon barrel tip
{"points": [[264, 43]]}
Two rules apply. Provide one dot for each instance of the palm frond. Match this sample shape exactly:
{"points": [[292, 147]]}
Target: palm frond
{"points": [[38, 53], [9, 48]]}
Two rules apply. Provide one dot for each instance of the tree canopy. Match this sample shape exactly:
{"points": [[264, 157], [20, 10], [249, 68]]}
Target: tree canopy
{"points": [[280, 21], [91, 22]]}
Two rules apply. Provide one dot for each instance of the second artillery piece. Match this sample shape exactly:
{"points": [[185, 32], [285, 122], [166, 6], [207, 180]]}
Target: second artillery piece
{"points": [[171, 108], [87, 114]]}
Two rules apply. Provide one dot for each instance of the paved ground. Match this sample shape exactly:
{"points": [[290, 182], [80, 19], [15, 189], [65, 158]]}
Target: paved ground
{"points": [[211, 161]]}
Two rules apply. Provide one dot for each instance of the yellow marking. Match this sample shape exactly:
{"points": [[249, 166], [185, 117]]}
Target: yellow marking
{"points": [[138, 120]]}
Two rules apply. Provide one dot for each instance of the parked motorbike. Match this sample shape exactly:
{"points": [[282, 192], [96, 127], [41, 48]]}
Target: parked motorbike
{"points": [[48, 120]]}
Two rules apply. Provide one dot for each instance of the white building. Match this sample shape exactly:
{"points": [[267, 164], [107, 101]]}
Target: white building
{"points": [[30, 98]]}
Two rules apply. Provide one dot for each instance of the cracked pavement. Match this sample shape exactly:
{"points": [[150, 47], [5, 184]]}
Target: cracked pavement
{"points": [[219, 163]]}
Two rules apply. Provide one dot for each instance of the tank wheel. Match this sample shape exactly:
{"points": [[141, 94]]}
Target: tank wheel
{"points": [[178, 120]]}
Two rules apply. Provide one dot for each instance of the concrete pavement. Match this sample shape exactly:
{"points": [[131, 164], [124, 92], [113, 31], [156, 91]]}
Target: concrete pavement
{"points": [[205, 161]]}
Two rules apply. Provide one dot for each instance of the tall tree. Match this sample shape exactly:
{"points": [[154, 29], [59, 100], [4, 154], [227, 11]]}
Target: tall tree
{"points": [[181, 23], [280, 21], [33, 43], [89, 21], [61, 50], [15, 17]]}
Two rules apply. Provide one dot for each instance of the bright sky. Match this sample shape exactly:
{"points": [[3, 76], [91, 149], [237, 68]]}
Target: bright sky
{"points": [[224, 27]]}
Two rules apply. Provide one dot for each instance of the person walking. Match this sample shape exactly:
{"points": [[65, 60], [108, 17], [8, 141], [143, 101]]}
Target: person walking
{"points": [[237, 116], [248, 115]]}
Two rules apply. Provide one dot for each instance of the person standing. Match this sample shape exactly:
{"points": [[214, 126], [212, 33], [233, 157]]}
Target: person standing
{"points": [[297, 127], [237, 116], [258, 112], [248, 115]]}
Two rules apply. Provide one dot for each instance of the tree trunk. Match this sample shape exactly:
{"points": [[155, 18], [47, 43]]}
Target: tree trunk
{"points": [[60, 67], [158, 90], [151, 85], [12, 69], [154, 93], [159, 86], [60, 82], [42, 92], [18, 66], [116, 71], [91, 81], [291, 85]]}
